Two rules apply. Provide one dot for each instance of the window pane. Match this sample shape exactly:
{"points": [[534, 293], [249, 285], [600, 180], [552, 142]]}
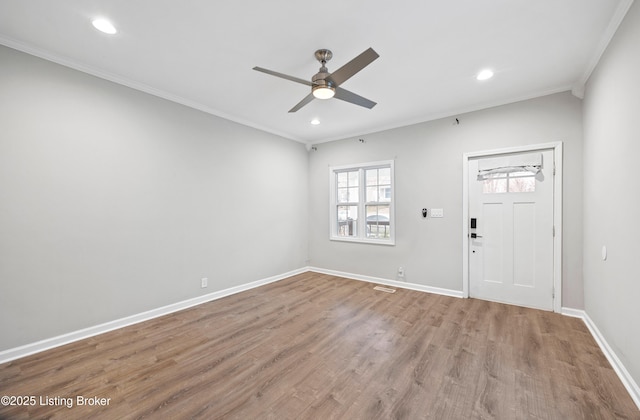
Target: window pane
{"points": [[378, 222], [494, 186], [372, 194], [342, 179], [353, 195], [524, 184], [384, 194], [347, 220], [348, 195], [514, 182], [343, 195], [384, 176], [353, 178], [371, 176], [347, 213]]}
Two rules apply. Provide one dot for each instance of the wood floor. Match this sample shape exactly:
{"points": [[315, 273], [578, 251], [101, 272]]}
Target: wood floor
{"points": [[320, 347]]}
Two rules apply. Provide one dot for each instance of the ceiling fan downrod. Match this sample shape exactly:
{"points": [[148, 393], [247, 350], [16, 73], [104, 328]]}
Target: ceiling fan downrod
{"points": [[322, 88]]}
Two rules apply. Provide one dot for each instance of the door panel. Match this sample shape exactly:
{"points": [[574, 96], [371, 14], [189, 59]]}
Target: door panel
{"points": [[511, 257], [524, 231], [492, 239]]}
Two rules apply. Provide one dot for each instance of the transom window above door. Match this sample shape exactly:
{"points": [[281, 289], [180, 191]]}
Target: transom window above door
{"points": [[514, 182], [509, 173]]}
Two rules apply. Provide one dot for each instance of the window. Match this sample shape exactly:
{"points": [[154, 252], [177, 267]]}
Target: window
{"points": [[362, 203], [512, 182], [514, 173]]}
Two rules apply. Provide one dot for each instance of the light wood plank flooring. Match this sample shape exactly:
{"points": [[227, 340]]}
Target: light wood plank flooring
{"points": [[320, 347]]}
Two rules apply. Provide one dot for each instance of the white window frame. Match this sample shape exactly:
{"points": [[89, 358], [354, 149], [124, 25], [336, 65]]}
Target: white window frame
{"points": [[361, 223]]}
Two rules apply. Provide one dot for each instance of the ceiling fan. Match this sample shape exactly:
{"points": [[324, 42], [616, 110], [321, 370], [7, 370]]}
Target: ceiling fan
{"points": [[325, 85]]}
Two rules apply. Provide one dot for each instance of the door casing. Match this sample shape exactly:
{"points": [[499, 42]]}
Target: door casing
{"points": [[557, 212]]}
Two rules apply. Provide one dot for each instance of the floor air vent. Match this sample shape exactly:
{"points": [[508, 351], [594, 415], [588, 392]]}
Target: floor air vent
{"points": [[384, 289]]}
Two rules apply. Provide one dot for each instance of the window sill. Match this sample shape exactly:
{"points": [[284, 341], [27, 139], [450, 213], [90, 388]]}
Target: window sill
{"points": [[387, 242]]}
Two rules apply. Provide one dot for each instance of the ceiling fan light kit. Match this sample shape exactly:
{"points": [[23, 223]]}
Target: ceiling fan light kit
{"points": [[325, 85], [321, 92]]}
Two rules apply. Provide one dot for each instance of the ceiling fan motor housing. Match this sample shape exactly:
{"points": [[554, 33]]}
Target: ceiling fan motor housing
{"points": [[319, 79], [323, 88]]}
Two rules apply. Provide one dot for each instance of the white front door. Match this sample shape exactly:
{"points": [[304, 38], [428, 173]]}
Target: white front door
{"points": [[511, 245]]}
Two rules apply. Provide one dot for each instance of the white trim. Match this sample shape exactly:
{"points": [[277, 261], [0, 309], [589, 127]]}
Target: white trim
{"points": [[47, 344], [622, 372], [465, 226], [558, 195], [557, 212], [573, 313], [50, 343], [618, 367], [112, 77], [621, 11], [450, 113], [387, 282], [133, 84]]}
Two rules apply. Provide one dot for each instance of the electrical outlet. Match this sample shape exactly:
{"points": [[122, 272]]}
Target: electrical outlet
{"points": [[204, 282], [400, 273]]}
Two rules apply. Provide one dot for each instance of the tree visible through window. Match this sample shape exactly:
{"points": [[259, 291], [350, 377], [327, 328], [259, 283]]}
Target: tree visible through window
{"points": [[362, 203], [513, 182]]}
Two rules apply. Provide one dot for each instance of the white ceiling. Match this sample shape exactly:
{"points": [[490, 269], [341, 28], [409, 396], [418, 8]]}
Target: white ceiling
{"points": [[201, 53]]}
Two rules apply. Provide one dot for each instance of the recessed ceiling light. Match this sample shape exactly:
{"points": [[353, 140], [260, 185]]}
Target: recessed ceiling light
{"points": [[103, 25], [485, 74], [315, 121]]}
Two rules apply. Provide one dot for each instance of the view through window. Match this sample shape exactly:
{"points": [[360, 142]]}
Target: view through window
{"points": [[362, 202], [514, 182]]}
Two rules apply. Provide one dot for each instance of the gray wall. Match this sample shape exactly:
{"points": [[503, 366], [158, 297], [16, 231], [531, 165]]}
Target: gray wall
{"points": [[428, 170], [612, 195], [114, 202]]}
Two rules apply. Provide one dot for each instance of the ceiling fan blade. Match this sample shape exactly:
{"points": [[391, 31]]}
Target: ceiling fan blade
{"points": [[352, 67], [283, 76], [351, 97], [303, 102]]}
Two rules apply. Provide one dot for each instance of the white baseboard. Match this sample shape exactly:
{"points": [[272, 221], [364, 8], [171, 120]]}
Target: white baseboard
{"points": [[574, 313], [49, 343], [32, 348], [387, 282], [624, 375]]}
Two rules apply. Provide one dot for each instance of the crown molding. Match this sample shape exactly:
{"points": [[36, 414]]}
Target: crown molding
{"points": [[120, 80], [617, 18]]}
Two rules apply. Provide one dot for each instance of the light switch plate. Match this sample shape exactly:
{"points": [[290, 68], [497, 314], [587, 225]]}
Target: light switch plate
{"points": [[437, 212]]}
